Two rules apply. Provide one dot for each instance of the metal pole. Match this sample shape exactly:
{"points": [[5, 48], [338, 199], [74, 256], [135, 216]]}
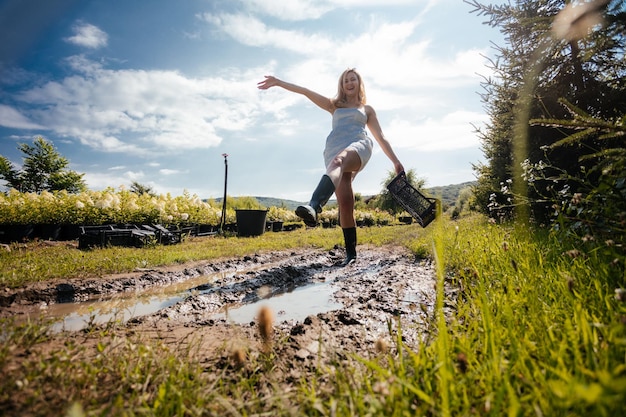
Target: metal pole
{"points": [[223, 221]]}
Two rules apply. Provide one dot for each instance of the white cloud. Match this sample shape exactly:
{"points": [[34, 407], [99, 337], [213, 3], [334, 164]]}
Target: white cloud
{"points": [[295, 10], [9, 117], [100, 181], [292, 9], [251, 31], [170, 171], [88, 35], [451, 131], [387, 54], [142, 111]]}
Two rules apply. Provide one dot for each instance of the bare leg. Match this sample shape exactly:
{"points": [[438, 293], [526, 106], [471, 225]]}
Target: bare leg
{"points": [[346, 161], [345, 201]]}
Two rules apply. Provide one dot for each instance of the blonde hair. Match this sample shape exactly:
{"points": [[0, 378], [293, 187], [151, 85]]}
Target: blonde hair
{"points": [[340, 98]]}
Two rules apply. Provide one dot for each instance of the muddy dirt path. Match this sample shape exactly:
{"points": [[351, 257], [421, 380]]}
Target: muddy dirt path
{"points": [[358, 305]]}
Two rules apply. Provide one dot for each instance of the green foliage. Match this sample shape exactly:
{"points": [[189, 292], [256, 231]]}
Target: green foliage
{"points": [[464, 202], [104, 207], [244, 203], [538, 68], [281, 214], [43, 169], [589, 201], [140, 189]]}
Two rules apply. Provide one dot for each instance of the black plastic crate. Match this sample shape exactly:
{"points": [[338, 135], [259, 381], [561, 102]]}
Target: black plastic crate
{"points": [[422, 208], [110, 235]]}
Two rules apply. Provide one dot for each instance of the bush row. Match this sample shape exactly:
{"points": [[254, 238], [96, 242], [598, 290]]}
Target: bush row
{"points": [[125, 207]]}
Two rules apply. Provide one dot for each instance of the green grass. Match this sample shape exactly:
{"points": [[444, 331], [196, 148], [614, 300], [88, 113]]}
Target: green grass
{"points": [[535, 330], [39, 261]]}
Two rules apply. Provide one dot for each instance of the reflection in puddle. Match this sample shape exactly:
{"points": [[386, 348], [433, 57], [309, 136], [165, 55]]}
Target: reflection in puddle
{"points": [[295, 305], [123, 306], [107, 311]]}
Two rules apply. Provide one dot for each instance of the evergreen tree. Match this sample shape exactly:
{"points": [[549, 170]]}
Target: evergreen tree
{"points": [[548, 57], [141, 189], [43, 169]]}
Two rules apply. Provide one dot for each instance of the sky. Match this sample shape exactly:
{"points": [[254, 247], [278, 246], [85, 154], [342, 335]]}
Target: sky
{"points": [[156, 91]]}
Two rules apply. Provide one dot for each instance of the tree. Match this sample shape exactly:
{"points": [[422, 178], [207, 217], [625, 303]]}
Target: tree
{"points": [[548, 58], [43, 169], [141, 189]]}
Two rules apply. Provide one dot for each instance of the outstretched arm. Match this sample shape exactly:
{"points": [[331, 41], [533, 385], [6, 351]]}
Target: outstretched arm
{"points": [[374, 127], [318, 99]]}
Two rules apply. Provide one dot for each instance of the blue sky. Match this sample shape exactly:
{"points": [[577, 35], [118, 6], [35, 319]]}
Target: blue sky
{"points": [[155, 91]]}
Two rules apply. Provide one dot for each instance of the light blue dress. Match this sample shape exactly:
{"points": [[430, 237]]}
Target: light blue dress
{"points": [[349, 132]]}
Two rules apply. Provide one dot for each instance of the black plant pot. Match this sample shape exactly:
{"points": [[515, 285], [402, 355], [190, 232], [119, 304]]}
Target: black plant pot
{"points": [[16, 232], [405, 219], [277, 226], [47, 231], [250, 222], [70, 232]]}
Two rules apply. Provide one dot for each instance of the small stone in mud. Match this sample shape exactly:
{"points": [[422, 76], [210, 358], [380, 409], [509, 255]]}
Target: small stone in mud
{"points": [[347, 319], [297, 330], [264, 291]]}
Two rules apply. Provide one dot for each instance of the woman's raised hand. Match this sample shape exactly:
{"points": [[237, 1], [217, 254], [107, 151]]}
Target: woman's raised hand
{"points": [[269, 81]]}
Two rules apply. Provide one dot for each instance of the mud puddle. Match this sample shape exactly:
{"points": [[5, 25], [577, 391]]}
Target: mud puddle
{"points": [[296, 305], [309, 295], [292, 303], [236, 288], [322, 314]]}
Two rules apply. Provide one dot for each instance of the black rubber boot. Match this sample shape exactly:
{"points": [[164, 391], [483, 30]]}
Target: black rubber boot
{"points": [[322, 193], [349, 237]]}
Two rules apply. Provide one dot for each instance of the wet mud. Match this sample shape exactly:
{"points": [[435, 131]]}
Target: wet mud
{"points": [[331, 311]]}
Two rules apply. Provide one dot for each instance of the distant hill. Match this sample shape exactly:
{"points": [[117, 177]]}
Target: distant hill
{"points": [[271, 202], [277, 202], [447, 193]]}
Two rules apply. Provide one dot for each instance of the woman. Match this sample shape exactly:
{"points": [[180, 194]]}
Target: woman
{"points": [[348, 149]]}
